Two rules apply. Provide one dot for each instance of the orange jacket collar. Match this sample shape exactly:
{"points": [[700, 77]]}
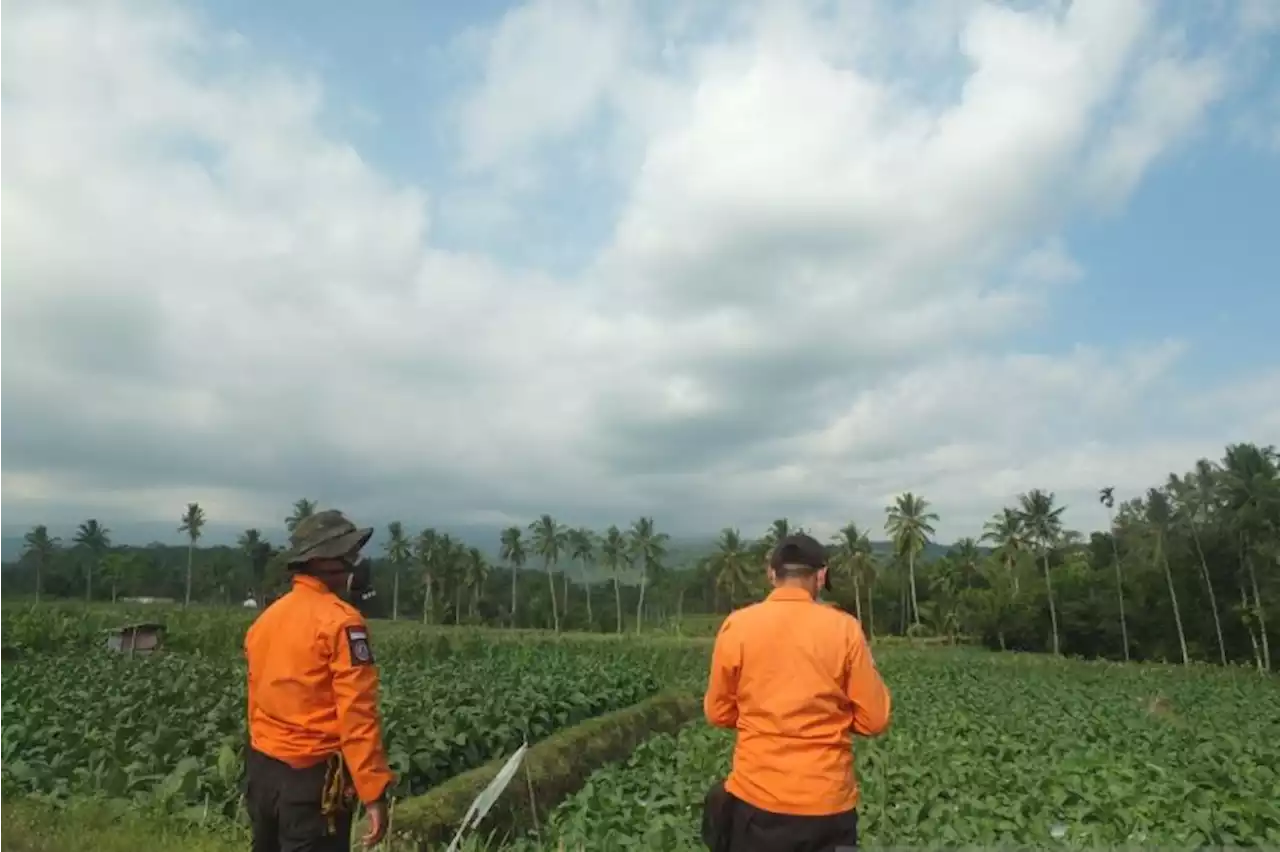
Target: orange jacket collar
{"points": [[789, 593], [313, 584]]}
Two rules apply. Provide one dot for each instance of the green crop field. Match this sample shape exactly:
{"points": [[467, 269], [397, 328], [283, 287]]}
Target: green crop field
{"points": [[985, 749], [989, 750], [107, 724]]}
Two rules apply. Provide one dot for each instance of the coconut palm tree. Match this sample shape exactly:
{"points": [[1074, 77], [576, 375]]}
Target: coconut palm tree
{"points": [[853, 554], [475, 575], [1251, 493], [452, 573], [764, 545], [1159, 517], [1006, 533], [1190, 500], [96, 539], [259, 554], [116, 567], [648, 548], [1043, 524], [1106, 496], [909, 524], [193, 525], [399, 553], [39, 547], [582, 548], [731, 565], [513, 553], [549, 542], [966, 556], [302, 509], [426, 550], [613, 555]]}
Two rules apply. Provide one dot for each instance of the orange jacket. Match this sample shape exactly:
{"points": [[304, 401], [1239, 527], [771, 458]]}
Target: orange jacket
{"points": [[796, 679], [313, 686]]}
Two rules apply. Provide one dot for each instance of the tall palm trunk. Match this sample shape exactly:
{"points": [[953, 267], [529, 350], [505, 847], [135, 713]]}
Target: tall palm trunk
{"points": [[88, 579], [1248, 624], [1053, 609], [457, 603], [1115, 555], [39, 573], [551, 587], [515, 576], [475, 601], [1258, 609], [644, 581], [1213, 598], [565, 578], [1173, 598], [395, 594], [915, 602], [871, 611], [426, 602], [617, 599], [191, 548], [857, 597], [586, 584]]}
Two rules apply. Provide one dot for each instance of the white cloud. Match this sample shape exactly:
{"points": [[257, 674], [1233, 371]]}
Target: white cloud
{"points": [[1166, 100], [1259, 16], [798, 309], [550, 64]]}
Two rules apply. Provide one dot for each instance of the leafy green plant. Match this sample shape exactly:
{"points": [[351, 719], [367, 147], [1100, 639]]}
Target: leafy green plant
{"points": [[990, 750], [172, 728]]}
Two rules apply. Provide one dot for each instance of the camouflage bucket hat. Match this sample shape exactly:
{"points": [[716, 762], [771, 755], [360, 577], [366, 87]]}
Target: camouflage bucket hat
{"points": [[325, 535]]}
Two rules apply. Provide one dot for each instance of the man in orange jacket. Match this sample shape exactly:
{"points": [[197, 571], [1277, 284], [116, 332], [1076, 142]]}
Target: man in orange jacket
{"points": [[795, 678], [314, 727]]}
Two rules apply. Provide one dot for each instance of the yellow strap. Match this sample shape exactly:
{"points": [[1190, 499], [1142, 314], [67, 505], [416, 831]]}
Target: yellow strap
{"points": [[331, 799]]}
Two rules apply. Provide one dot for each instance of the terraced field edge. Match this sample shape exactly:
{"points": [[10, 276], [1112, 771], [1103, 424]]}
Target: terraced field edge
{"points": [[555, 768]]}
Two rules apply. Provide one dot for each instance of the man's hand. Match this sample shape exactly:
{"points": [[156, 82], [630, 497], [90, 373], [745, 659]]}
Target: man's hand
{"points": [[377, 812]]}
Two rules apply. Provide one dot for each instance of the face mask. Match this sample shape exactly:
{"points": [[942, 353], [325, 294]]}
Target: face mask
{"points": [[360, 580]]}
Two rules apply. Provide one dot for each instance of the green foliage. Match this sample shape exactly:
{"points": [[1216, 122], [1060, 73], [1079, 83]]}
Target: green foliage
{"points": [[1187, 571], [990, 750], [171, 727], [69, 627]]}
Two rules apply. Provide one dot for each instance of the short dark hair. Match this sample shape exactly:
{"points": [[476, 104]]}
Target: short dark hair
{"points": [[798, 554]]}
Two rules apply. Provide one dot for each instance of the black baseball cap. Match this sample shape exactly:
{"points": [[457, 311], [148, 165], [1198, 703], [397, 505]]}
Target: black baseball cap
{"points": [[800, 549]]}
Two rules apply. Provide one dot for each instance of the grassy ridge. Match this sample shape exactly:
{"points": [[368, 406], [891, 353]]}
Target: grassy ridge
{"points": [[551, 771]]}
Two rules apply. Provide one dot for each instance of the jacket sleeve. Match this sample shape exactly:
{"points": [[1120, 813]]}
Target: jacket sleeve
{"points": [[721, 701], [865, 687], [355, 688]]}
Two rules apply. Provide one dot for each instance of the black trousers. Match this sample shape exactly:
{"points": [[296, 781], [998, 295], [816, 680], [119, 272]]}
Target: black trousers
{"points": [[732, 825], [285, 808]]}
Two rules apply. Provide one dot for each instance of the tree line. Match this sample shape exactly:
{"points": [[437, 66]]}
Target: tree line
{"points": [[1186, 571]]}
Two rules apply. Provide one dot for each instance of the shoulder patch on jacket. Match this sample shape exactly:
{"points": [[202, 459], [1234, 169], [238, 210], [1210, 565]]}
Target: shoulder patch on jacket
{"points": [[358, 644]]}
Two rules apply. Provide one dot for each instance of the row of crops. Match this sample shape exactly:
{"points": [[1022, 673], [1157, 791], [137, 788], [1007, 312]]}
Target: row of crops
{"points": [[996, 751], [984, 749], [172, 727]]}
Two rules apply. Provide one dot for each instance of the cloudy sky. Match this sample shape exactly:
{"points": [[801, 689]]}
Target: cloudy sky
{"points": [[712, 262]]}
